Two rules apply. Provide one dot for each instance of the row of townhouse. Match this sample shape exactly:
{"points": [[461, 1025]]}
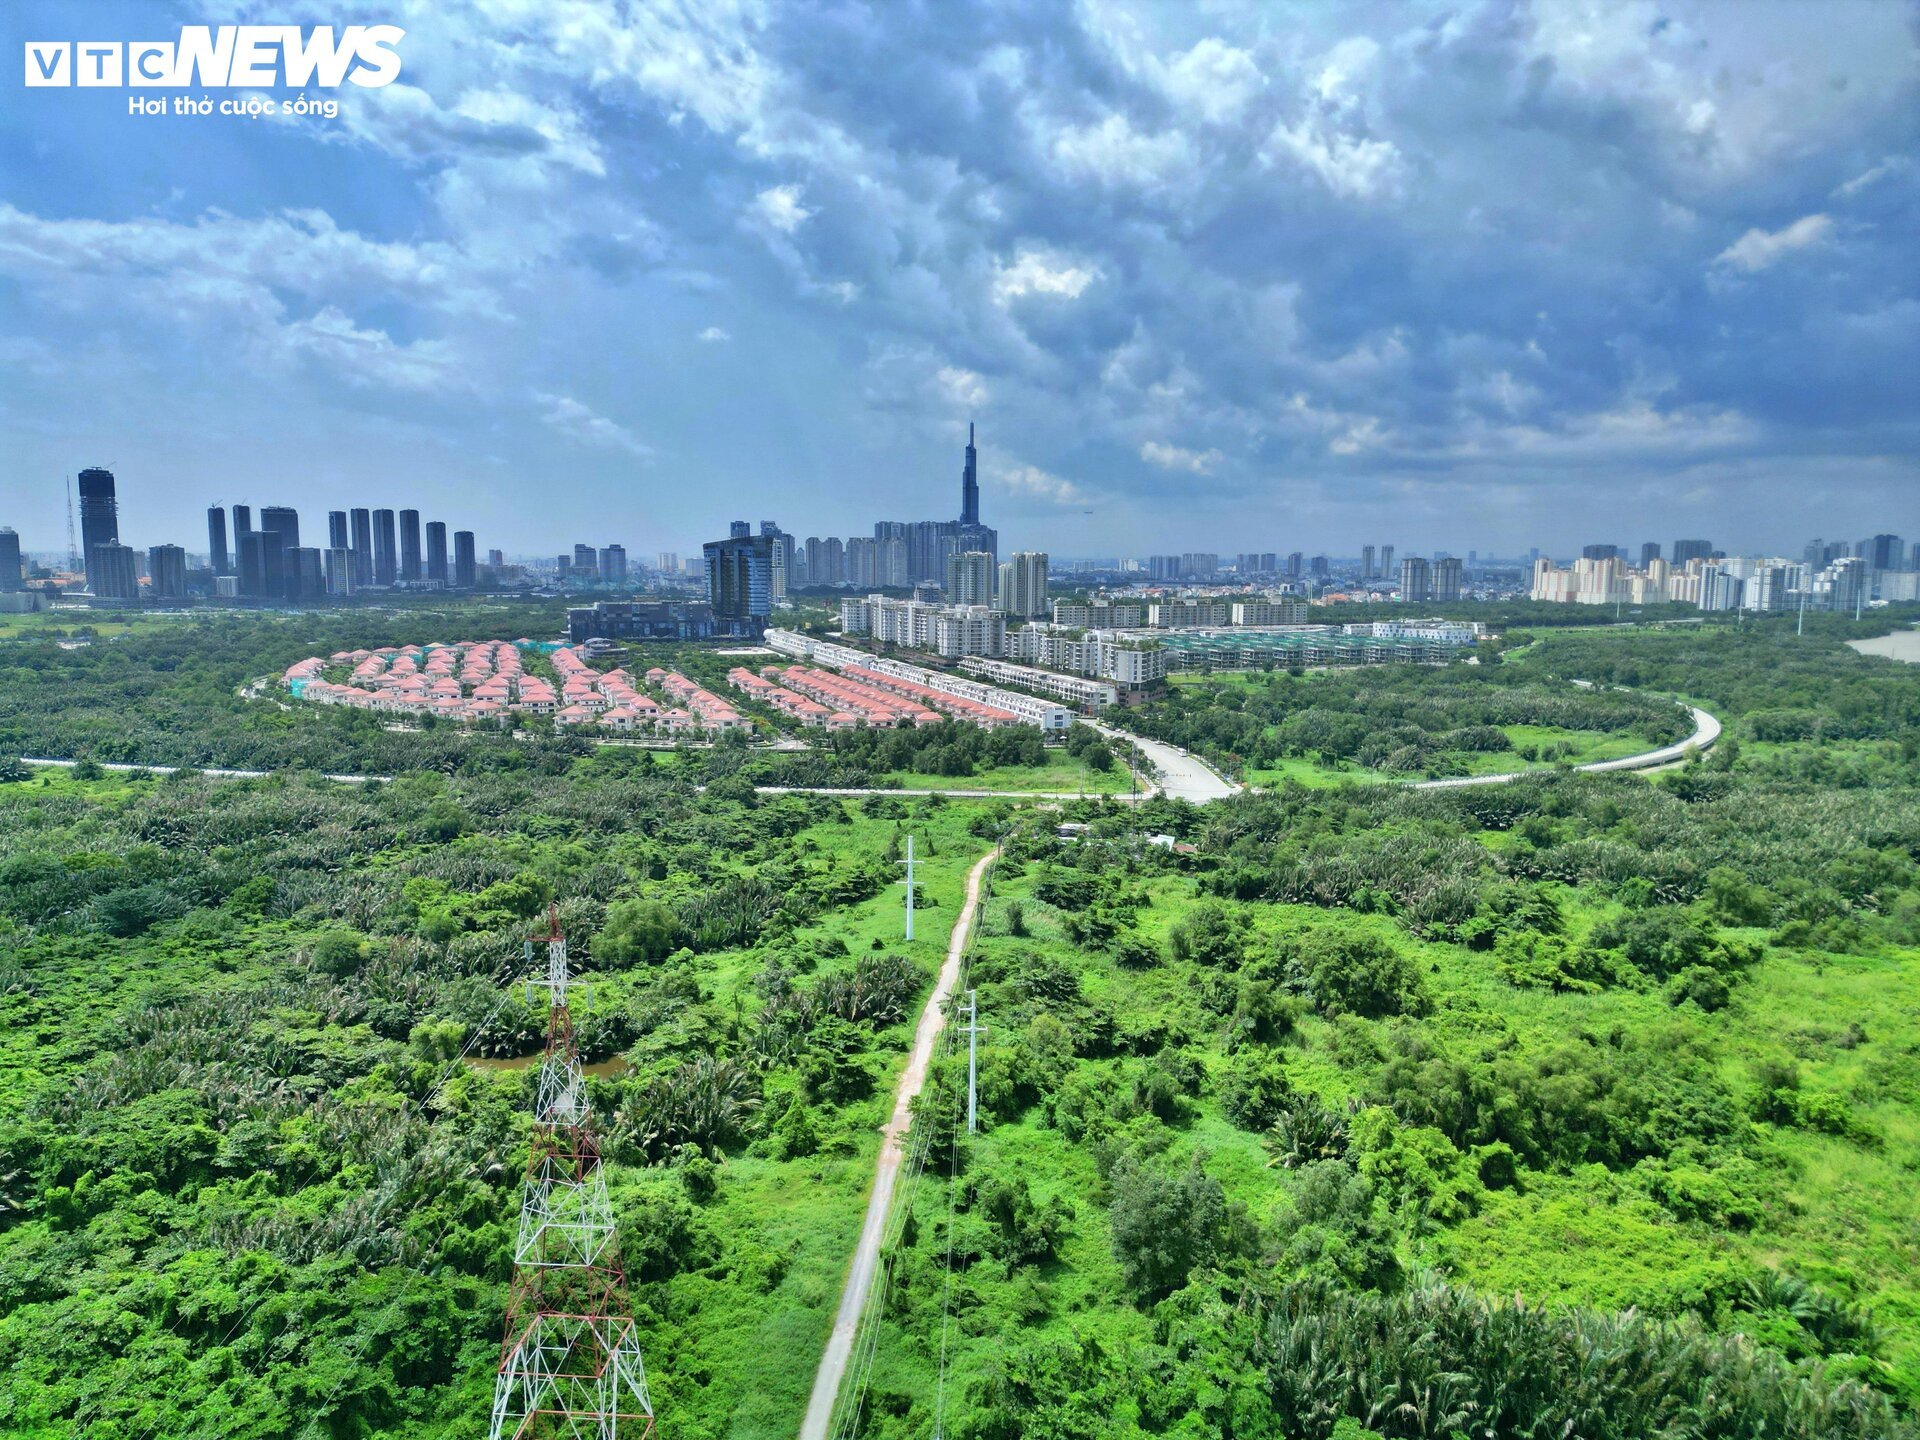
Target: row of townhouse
{"points": [[935, 687], [712, 712], [852, 702], [808, 712]]}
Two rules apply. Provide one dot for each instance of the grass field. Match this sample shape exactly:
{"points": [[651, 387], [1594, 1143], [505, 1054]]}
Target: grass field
{"points": [[1062, 774]]}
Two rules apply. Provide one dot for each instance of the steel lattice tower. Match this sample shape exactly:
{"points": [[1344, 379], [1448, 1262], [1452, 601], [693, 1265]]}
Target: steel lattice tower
{"points": [[570, 1365]]}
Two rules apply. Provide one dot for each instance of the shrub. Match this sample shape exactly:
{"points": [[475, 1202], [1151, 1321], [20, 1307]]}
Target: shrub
{"points": [[1346, 973], [1164, 1226]]}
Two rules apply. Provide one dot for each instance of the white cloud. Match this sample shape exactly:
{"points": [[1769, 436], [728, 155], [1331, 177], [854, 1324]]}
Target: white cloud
{"points": [[1345, 64], [574, 420], [1172, 457], [1036, 272], [371, 358], [1889, 166], [1038, 484], [1757, 249], [1213, 80], [1351, 165], [1331, 138], [713, 335], [1114, 152], [964, 388], [780, 207]]}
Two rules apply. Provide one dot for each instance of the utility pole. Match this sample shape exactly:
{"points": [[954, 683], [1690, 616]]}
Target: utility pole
{"points": [[909, 887], [1800, 625], [974, 1030]]}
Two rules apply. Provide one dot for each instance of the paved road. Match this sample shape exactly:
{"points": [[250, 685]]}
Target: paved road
{"points": [[204, 770], [866, 1255], [1182, 776], [1706, 730]]}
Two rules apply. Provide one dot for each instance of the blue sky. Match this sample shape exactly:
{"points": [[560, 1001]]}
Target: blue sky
{"points": [[1479, 274]]}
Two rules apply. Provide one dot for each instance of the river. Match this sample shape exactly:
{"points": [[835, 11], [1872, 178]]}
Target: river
{"points": [[1900, 645]]}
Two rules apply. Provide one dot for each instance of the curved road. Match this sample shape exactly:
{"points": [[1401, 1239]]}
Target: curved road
{"points": [[866, 1255], [1182, 776], [1706, 730]]}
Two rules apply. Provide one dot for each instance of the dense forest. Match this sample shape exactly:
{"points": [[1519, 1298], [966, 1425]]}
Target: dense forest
{"points": [[1582, 1105]]}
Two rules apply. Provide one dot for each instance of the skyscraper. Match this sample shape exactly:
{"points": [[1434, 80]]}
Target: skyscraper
{"points": [[99, 518], [263, 564], [409, 544], [217, 556], [465, 573], [437, 552], [339, 565], [384, 571], [362, 526], [306, 575], [284, 521], [12, 577], [242, 520], [1649, 553], [740, 580], [970, 578], [1386, 562], [970, 483], [337, 530], [111, 571], [1416, 579], [1446, 579], [1685, 550], [167, 570], [1882, 552], [1366, 562], [1599, 552], [613, 564], [1023, 585]]}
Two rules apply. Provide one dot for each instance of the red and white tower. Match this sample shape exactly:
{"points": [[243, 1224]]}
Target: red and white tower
{"points": [[570, 1365]]}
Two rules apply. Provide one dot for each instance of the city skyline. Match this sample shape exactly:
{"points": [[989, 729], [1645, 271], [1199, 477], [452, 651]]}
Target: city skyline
{"points": [[1502, 273]]}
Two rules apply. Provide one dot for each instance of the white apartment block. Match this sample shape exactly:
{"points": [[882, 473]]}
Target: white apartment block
{"points": [[1023, 585], [1270, 610], [947, 630], [1132, 664], [1187, 613], [1074, 689], [1100, 613]]}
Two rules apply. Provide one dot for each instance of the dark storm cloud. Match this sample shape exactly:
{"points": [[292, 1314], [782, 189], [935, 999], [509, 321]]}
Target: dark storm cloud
{"points": [[1484, 267]]}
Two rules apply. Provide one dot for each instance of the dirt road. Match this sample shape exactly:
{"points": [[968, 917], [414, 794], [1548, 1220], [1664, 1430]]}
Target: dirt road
{"points": [[866, 1255]]}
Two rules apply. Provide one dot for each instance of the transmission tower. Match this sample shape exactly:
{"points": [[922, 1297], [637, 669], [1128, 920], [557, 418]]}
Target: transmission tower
{"points": [[570, 1365]]}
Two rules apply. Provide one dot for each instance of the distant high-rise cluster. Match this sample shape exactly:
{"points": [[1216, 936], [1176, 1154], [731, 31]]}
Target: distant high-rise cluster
{"points": [[1839, 575], [365, 549], [242, 560], [900, 553]]}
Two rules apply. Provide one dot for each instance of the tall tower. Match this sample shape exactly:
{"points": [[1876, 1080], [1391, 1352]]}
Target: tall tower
{"points": [[217, 540], [570, 1365], [99, 516], [970, 484]]}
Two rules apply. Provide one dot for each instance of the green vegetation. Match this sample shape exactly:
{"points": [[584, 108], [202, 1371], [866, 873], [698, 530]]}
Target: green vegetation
{"points": [[249, 1183], [1403, 722], [1582, 1105], [167, 691]]}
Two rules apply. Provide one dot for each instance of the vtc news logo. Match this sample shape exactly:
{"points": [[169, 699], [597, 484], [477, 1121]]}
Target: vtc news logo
{"points": [[234, 56]]}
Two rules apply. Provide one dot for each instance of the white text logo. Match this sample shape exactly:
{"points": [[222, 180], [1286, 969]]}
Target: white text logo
{"points": [[238, 56]]}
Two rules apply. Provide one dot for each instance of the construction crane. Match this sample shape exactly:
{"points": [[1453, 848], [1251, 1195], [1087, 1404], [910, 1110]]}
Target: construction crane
{"points": [[73, 548]]}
